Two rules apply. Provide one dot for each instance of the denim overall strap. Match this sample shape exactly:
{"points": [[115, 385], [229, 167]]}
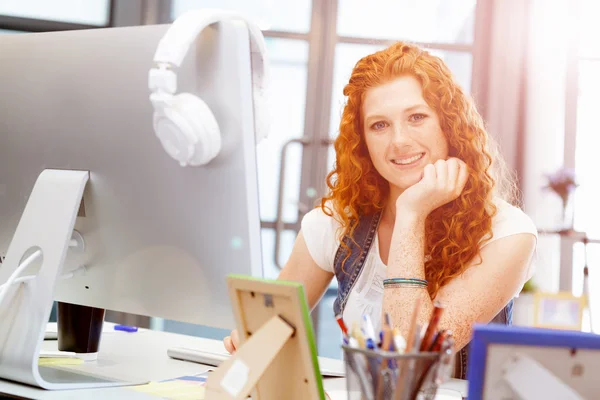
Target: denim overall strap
{"points": [[347, 272], [504, 317]]}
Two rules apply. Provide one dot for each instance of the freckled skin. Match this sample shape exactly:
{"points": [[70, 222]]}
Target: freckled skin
{"points": [[476, 296]]}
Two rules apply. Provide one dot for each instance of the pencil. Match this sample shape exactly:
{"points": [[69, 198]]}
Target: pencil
{"points": [[357, 334], [413, 325], [432, 326], [412, 332], [436, 345]]}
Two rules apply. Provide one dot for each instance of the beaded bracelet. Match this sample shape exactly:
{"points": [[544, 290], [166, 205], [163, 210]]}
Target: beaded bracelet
{"points": [[401, 282]]}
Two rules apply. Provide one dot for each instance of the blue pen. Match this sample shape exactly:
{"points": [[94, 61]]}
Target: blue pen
{"points": [[126, 328], [369, 332]]}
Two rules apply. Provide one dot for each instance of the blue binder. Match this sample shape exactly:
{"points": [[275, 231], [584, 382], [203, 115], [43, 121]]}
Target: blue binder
{"points": [[484, 335]]}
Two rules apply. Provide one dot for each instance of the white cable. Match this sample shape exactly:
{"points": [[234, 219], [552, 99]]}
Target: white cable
{"points": [[14, 277], [76, 272], [18, 272]]}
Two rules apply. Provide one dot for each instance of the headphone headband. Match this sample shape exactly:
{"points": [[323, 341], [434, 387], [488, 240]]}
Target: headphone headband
{"points": [[175, 44]]}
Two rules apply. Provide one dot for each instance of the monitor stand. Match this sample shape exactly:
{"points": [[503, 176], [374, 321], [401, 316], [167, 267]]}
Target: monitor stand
{"points": [[46, 224]]}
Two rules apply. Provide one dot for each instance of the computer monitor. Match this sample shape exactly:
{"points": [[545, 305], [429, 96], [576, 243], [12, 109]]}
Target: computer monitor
{"points": [[159, 238]]}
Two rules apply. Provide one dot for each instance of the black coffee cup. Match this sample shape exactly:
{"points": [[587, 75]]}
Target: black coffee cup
{"points": [[79, 328]]}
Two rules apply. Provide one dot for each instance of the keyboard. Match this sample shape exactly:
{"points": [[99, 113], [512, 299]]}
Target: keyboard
{"points": [[329, 367], [50, 335]]}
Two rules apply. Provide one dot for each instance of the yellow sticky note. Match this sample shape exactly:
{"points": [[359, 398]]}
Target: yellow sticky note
{"points": [[49, 361], [179, 390]]}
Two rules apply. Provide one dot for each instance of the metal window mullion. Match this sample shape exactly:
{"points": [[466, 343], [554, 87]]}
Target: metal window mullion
{"points": [[572, 90], [287, 226], [155, 12], [286, 35], [385, 42], [126, 13], [570, 136], [317, 88], [329, 40]]}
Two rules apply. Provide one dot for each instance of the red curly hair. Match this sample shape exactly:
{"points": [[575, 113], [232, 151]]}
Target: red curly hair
{"points": [[454, 231]]}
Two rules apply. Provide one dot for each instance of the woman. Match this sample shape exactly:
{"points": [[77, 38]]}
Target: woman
{"points": [[419, 193]]}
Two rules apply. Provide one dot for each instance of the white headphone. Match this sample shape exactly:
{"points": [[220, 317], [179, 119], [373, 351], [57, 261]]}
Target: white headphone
{"points": [[184, 123]]}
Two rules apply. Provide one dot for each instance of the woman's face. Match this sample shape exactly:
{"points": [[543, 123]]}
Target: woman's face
{"points": [[402, 132]]}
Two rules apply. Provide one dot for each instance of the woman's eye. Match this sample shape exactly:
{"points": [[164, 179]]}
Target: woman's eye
{"points": [[417, 117], [378, 125]]}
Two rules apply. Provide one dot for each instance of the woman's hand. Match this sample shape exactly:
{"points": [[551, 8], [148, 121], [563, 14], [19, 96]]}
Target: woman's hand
{"points": [[442, 182], [232, 342]]}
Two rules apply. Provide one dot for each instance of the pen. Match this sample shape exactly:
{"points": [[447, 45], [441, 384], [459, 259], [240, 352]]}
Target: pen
{"points": [[343, 327], [448, 343], [387, 335], [126, 328], [399, 341], [357, 334], [369, 332], [440, 338], [386, 342]]}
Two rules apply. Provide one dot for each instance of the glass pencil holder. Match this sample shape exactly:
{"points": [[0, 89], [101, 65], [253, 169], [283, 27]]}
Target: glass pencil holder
{"points": [[386, 375]]}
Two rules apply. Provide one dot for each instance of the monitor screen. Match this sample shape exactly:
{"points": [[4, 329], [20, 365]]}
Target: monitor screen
{"points": [[159, 238]]}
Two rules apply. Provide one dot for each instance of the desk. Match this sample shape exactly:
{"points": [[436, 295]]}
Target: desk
{"points": [[142, 355]]}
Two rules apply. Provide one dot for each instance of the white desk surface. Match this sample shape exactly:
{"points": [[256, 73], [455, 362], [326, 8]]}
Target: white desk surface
{"points": [[143, 355]]}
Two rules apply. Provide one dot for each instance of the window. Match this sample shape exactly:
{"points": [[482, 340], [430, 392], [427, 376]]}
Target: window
{"points": [[289, 64], [89, 12], [271, 15], [424, 21]]}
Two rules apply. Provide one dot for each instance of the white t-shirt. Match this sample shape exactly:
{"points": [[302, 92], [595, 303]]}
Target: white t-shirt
{"points": [[320, 232]]}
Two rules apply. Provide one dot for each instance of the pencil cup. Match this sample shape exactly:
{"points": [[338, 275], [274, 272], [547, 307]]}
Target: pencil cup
{"points": [[384, 375]]}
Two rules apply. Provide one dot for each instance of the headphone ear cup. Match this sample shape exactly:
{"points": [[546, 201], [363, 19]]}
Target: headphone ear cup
{"points": [[188, 130], [203, 128]]}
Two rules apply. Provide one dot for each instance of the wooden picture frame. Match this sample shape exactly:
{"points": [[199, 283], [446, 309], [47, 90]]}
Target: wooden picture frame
{"points": [[559, 310], [277, 357]]}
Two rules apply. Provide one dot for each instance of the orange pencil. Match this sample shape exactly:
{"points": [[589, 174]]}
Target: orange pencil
{"points": [[432, 326], [439, 339]]}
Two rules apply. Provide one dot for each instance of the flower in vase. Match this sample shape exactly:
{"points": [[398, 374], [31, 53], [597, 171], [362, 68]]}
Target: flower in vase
{"points": [[563, 183]]}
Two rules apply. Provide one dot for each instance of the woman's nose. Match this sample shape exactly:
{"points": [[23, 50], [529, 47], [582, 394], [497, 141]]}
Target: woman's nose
{"points": [[400, 134]]}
